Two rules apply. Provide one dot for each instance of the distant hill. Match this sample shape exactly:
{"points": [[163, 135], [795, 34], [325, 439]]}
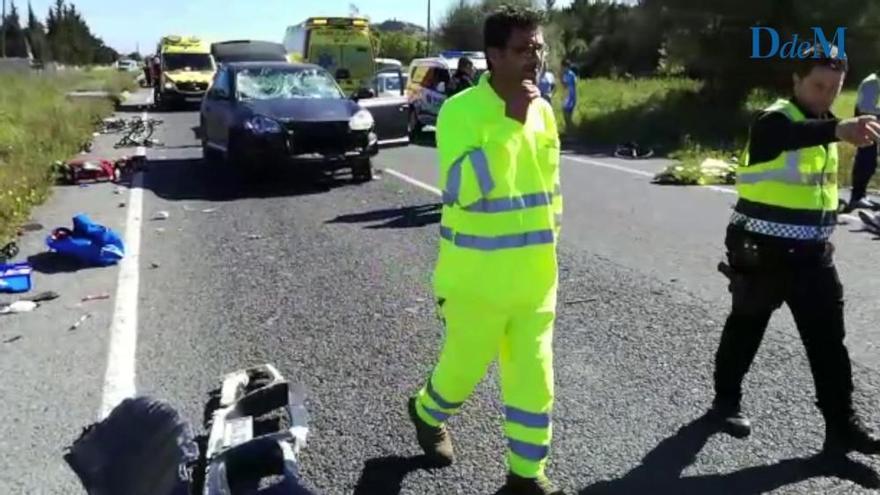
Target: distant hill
{"points": [[395, 25]]}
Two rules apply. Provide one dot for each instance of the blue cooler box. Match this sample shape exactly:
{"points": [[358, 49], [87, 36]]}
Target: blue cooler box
{"points": [[15, 278]]}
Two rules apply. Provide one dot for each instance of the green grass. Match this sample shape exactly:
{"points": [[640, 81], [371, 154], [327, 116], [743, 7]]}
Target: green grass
{"points": [[670, 115], [38, 126]]}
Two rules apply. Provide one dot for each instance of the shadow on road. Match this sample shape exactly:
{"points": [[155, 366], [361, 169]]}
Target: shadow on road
{"points": [[385, 475], [395, 218], [50, 263], [660, 470], [194, 179]]}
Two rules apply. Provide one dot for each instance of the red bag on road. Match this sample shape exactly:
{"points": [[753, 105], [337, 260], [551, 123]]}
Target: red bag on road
{"points": [[90, 170]]}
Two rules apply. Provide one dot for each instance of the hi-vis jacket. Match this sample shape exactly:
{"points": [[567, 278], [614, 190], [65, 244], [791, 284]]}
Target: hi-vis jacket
{"points": [[502, 201], [794, 196]]}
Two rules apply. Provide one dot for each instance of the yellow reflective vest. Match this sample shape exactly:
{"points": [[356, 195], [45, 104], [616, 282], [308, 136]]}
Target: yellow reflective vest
{"points": [[793, 196], [502, 202]]}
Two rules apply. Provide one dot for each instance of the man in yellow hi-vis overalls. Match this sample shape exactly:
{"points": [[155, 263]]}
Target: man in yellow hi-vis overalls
{"points": [[496, 276]]}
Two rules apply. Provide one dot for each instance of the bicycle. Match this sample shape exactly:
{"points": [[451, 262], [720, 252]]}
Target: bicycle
{"points": [[632, 151]]}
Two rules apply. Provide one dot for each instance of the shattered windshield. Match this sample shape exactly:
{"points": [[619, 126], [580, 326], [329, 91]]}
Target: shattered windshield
{"points": [[285, 84]]}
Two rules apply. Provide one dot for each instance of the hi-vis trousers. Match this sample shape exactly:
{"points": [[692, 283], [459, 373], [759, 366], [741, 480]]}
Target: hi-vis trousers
{"points": [[523, 342]]}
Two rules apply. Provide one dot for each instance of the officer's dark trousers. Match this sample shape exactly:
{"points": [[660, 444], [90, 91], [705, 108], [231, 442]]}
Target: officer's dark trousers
{"points": [[863, 168], [809, 285]]}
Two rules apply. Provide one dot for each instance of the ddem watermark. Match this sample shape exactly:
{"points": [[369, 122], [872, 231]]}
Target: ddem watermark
{"points": [[795, 47]]}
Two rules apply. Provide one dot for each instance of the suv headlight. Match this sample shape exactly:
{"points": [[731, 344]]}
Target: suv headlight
{"points": [[361, 121], [169, 84], [262, 125]]}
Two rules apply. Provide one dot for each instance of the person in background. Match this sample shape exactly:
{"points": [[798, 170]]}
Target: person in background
{"points": [[779, 249], [569, 80], [547, 84], [148, 72], [463, 77], [496, 275], [865, 163]]}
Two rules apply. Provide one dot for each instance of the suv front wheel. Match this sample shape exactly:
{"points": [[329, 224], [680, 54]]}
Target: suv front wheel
{"points": [[362, 170]]}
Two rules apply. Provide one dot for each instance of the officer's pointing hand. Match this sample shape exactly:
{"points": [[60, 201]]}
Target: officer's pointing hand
{"points": [[859, 131]]}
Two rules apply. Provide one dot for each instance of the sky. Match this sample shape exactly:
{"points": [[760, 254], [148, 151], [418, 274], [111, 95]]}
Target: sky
{"points": [[127, 25]]}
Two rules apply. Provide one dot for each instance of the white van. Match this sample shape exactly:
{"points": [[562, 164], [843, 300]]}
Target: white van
{"points": [[428, 81]]}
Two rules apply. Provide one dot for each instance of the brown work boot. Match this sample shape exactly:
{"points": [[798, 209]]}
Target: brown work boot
{"points": [[434, 440], [517, 485]]}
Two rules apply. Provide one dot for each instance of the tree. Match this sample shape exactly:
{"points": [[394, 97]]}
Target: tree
{"points": [[16, 44], [136, 56], [713, 40], [399, 45], [36, 36], [462, 26]]}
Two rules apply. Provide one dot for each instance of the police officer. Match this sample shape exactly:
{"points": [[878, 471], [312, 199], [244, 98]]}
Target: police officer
{"points": [[463, 77], [779, 249], [496, 276], [866, 157]]}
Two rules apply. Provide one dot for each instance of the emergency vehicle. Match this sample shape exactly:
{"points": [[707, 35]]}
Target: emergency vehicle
{"points": [[186, 69], [341, 45]]}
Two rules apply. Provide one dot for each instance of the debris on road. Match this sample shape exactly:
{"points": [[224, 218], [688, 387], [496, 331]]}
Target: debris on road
{"points": [[161, 215], [88, 242], [121, 205], [154, 265], [31, 227], [209, 210], [254, 237], [82, 171], [96, 297], [118, 191], [8, 252], [710, 171], [44, 297], [15, 278], [12, 339], [79, 322], [582, 301], [18, 307], [871, 222]]}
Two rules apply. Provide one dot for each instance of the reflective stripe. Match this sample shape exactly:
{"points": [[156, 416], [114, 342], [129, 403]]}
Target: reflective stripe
{"points": [[786, 230], [501, 242], [438, 415], [791, 174], [527, 450], [480, 164], [532, 420], [440, 401], [558, 219], [501, 205]]}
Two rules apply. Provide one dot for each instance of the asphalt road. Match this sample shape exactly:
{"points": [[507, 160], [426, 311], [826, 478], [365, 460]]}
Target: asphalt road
{"points": [[331, 283]]}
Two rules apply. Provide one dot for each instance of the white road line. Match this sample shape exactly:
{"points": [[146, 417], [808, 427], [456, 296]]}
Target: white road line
{"points": [[635, 171], [587, 161], [119, 379], [412, 181]]}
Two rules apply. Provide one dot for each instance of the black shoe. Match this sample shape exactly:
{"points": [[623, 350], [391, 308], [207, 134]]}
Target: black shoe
{"points": [[850, 435], [731, 420]]}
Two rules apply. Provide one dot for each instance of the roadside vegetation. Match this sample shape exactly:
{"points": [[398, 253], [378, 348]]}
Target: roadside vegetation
{"points": [[672, 116], [39, 125]]}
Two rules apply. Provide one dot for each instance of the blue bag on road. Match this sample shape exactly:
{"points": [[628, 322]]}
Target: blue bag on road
{"points": [[88, 242]]}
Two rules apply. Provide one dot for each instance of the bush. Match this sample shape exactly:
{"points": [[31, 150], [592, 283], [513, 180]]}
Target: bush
{"points": [[38, 126]]}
